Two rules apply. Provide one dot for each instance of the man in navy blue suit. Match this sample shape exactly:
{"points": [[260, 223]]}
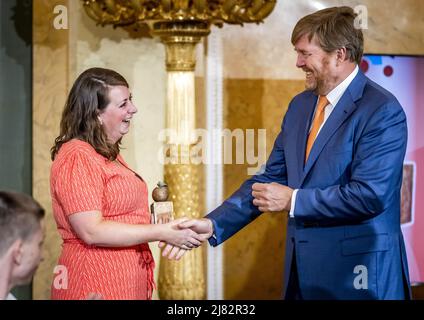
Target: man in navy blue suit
{"points": [[336, 167]]}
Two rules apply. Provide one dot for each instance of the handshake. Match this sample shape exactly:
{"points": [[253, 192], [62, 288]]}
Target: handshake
{"points": [[182, 235]]}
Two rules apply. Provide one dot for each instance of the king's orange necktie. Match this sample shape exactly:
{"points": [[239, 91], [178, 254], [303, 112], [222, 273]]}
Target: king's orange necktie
{"points": [[316, 124]]}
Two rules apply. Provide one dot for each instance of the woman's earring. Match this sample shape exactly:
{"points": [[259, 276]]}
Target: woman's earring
{"points": [[100, 120]]}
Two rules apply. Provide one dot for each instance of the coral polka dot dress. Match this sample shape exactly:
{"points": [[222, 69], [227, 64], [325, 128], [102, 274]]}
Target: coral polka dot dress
{"points": [[83, 180]]}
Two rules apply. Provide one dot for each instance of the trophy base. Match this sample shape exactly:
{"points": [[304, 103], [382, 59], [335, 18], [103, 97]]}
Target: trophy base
{"points": [[162, 212]]}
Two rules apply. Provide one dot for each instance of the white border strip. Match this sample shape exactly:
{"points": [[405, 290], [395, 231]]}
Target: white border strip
{"points": [[214, 180]]}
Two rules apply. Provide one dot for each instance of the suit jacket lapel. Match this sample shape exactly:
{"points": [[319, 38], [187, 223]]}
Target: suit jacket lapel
{"points": [[341, 112]]}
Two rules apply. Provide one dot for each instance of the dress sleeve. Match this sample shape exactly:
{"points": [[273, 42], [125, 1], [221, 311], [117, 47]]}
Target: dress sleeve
{"points": [[79, 184]]}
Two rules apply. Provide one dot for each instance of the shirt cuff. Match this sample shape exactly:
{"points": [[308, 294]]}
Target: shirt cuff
{"points": [[213, 229], [213, 241], [293, 203]]}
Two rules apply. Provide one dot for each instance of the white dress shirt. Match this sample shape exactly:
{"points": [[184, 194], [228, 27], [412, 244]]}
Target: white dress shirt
{"points": [[333, 97]]}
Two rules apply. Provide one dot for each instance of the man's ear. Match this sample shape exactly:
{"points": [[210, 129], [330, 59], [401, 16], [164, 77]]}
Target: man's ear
{"points": [[341, 54], [17, 251]]}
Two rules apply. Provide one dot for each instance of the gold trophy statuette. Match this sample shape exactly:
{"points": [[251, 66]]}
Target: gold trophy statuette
{"points": [[161, 209]]}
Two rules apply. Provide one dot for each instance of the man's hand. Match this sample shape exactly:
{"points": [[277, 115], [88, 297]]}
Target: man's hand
{"points": [[271, 197], [183, 237], [203, 227]]}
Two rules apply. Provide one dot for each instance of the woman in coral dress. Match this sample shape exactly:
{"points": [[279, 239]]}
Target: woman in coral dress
{"points": [[100, 205]]}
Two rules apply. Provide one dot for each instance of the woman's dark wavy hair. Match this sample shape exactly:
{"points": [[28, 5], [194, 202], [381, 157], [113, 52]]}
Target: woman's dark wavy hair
{"points": [[88, 97]]}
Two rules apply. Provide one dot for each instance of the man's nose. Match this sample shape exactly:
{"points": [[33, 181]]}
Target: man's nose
{"points": [[300, 62]]}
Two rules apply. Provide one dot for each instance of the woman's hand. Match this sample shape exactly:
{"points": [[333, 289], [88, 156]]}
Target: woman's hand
{"points": [[171, 252]]}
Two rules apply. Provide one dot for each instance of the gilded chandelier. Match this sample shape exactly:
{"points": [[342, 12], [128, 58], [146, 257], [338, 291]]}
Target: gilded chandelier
{"points": [[128, 12]]}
